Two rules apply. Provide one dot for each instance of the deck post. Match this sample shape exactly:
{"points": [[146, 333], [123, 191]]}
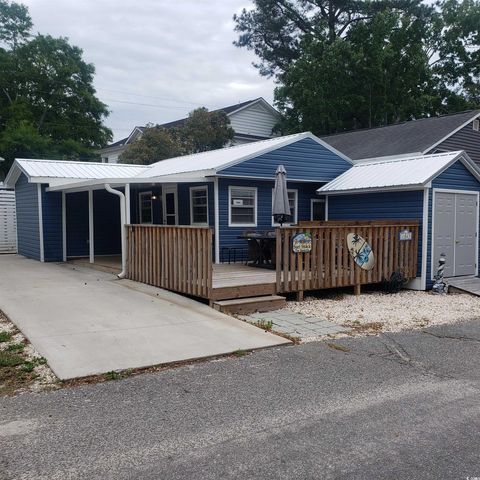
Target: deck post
{"points": [[216, 210], [300, 296], [357, 289], [90, 227]]}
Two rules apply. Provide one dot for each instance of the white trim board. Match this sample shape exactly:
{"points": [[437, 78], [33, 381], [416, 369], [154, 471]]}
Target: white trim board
{"points": [[426, 200], [216, 210], [432, 246], [40, 222]]}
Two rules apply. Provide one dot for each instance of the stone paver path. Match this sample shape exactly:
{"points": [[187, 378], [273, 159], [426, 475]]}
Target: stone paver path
{"points": [[296, 324]]}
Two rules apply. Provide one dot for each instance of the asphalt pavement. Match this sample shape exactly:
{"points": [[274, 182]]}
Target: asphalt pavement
{"points": [[396, 406]]}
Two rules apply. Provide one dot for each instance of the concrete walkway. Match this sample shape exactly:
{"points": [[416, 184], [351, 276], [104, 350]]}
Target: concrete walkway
{"points": [[87, 322]]}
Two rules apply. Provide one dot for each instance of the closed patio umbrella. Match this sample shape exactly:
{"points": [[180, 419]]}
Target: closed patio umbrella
{"points": [[281, 207]]}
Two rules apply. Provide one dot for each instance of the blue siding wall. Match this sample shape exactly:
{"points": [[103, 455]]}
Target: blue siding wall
{"points": [[77, 224], [28, 232], [380, 206], [303, 160], [228, 235], [456, 177], [52, 225], [106, 223]]}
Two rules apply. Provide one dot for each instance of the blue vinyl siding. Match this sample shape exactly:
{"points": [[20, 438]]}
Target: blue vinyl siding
{"points": [[380, 206], [52, 225], [456, 177], [77, 224], [28, 232], [303, 160], [229, 235]]}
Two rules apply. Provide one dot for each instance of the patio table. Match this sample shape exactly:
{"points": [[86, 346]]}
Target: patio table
{"points": [[265, 248]]}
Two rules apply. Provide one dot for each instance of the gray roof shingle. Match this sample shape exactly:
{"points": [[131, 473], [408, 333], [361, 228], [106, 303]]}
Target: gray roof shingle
{"points": [[414, 136]]}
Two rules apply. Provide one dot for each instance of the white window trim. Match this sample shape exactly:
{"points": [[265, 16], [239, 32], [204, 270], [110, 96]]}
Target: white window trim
{"points": [[317, 200], [254, 189], [140, 195], [295, 213], [196, 189]]}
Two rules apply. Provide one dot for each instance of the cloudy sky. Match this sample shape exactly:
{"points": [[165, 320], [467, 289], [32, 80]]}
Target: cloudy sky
{"points": [[156, 60]]}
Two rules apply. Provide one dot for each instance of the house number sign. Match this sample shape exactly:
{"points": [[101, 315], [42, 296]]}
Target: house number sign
{"points": [[405, 235]]}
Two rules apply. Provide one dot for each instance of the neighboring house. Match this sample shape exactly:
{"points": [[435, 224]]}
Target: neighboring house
{"points": [[67, 209], [251, 121], [459, 131], [8, 227]]}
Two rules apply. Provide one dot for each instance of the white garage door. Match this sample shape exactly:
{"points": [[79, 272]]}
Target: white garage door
{"points": [[8, 222], [455, 232]]}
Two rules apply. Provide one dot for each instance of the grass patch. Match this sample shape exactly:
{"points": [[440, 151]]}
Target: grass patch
{"points": [[264, 325], [5, 336], [239, 353], [8, 359], [337, 346], [112, 375], [16, 347]]}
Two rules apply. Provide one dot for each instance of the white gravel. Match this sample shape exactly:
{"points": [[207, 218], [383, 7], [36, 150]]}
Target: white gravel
{"points": [[391, 312]]}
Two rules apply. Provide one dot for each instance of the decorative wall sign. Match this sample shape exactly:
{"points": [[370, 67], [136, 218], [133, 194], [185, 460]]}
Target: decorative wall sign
{"points": [[361, 251], [237, 202], [302, 243], [405, 235]]}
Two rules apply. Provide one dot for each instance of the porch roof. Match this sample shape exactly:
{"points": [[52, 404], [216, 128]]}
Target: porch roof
{"points": [[404, 173]]}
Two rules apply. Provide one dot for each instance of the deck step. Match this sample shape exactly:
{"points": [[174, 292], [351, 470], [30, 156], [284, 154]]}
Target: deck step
{"points": [[250, 305]]}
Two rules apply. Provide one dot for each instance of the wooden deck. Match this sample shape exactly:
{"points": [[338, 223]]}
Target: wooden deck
{"points": [[241, 281], [464, 285]]}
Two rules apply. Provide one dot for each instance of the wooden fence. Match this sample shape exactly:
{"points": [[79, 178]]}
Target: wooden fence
{"points": [[177, 258], [329, 263]]}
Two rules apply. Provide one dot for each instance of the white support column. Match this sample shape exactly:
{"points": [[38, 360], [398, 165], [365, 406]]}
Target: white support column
{"points": [[127, 203], [216, 204], [64, 226], [90, 227], [40, 222], [326, 207]]}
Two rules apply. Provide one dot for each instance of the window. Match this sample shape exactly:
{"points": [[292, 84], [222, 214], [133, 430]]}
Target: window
{"points": [[198, 206], [476, 125], [145, 207], [318, 210], [293, 202], [242, 207]]}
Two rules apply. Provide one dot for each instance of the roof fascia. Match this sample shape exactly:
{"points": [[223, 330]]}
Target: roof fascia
{"points": [[14, 174], [466, 161], [453, 132], [134, 132], [402, 188], [258, 100]]}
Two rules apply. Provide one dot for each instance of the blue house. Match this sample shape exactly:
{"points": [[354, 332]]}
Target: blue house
{"points": [[68, 209], [77, 209]]}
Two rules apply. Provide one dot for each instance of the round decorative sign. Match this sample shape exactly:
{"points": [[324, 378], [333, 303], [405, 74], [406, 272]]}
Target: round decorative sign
{"points": [[302, 243], [361, 251]]}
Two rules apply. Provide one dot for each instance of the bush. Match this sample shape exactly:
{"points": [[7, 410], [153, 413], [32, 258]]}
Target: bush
{"points": [[10, 359], [395, 283]]}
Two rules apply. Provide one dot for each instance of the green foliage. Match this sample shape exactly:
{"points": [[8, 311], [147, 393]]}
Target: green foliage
{"points": [[48, 106], [5, 336], [202, 131], [8, 359], [343, 65], [16, 347]]}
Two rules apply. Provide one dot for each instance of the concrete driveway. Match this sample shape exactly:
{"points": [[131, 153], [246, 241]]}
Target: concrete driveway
{"points": [[86, 322]]}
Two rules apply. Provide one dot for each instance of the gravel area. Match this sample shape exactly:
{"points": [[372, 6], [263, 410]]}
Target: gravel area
{"points": [[22, 369], [406, 310]]}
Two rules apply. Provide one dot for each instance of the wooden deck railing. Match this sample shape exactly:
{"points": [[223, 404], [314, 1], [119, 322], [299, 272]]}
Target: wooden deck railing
{"points": [[177, 258], [329, 263]]}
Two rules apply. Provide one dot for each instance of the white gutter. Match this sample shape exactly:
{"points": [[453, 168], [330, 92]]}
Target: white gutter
{"points": [[109, 189]]}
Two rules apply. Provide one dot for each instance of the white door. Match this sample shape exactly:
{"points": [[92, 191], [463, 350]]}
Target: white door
{"points": [[455, 232], [170, 205]]}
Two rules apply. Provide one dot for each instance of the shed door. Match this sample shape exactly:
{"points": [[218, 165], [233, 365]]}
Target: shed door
{"points": [[455, 226]]}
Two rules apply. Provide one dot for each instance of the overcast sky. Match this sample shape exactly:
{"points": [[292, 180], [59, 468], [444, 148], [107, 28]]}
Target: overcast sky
{"points": [[173, 55]]}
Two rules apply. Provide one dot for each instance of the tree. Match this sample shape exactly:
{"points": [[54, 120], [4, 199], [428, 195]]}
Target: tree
{"points": [[46, 95], [202, 131], [344, 64], [156, 144]]}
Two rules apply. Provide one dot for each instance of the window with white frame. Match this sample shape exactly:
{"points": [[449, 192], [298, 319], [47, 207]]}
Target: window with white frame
{"points": [[145, 207], [242, 206], [318, 210], [293, 202], [198, 206]]}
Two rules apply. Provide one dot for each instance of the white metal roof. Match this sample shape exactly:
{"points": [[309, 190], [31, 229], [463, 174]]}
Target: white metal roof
{"points": [[213, 161], [398, 173], [48, 170], [69, 169]]}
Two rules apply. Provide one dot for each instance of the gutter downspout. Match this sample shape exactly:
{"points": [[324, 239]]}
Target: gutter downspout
{"points": [[109, 189]]}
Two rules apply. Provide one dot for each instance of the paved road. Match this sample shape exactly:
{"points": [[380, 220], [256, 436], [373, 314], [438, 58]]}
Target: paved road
{"points": [[402, 406]]}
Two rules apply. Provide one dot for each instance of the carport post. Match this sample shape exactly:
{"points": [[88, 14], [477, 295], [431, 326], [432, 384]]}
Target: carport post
{"points": [[127, 203], [90, 227]]}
